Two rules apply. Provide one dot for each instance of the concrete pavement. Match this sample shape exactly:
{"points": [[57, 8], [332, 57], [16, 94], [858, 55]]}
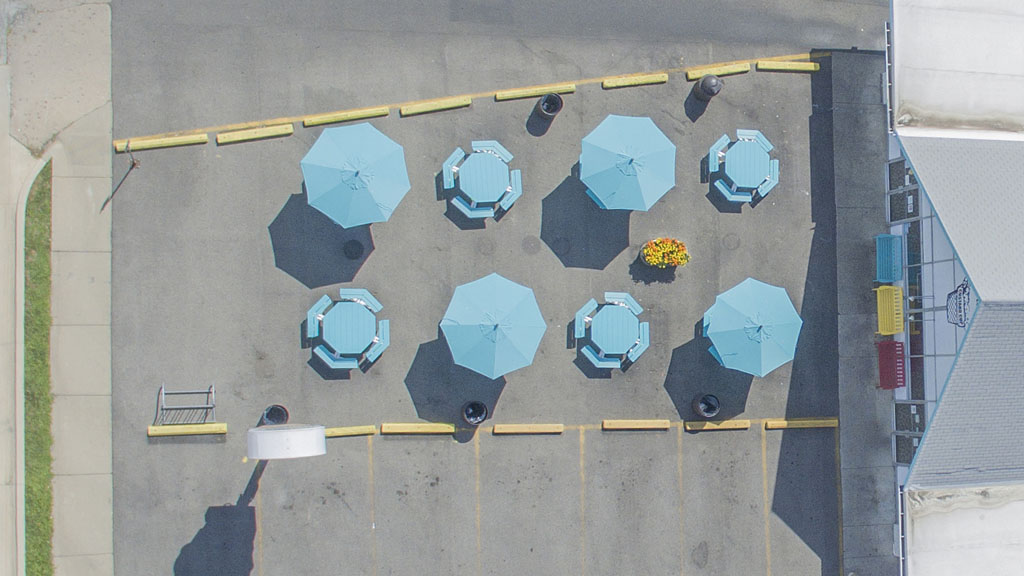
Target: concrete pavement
{"points": [[57, 102]]}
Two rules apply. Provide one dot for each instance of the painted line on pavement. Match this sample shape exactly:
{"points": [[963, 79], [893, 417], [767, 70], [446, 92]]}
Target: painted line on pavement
{"points": [[199, 135], [764, 503]]}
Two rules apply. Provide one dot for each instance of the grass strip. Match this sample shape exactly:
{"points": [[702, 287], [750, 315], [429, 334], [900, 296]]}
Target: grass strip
{"points": [[38, 399]]}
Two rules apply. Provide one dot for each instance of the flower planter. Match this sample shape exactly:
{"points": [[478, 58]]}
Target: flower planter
{"points": [[664, 253]]}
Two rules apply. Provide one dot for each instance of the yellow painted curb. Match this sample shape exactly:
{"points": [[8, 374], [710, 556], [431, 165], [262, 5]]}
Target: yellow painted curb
{"points": [[775, 66], [782, 423], [255, 134], [416, 428], [634, 80], [503, 429], [162, 142], [635, 424], [435, 105], [697, 73], [532, 91], [345, 115], [344, 431], [722, 425], [188, 429]]}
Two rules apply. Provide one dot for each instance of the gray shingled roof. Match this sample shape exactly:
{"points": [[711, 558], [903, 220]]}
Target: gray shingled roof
{"points": [[974, 438], [977, 189]]}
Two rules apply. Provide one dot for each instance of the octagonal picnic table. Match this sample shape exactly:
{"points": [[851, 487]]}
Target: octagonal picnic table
{"points": [[349, 327]]}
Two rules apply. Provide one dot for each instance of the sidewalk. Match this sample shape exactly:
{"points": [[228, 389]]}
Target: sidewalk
{"points": [[58, 98], [865, 410]]}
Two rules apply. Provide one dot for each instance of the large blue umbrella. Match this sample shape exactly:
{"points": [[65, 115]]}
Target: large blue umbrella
{"points": [[493, 326], [753, 327], [355, 175], [627, 163]]}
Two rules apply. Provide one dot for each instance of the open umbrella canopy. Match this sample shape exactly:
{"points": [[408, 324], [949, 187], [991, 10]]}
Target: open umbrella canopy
{"points": [[753, 327], [627, 163], [355, 175], [493, 326]]}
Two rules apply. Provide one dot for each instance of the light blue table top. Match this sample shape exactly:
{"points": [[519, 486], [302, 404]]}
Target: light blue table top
{"points": [[349, 328], [614, 329], [747, 164], [483, 177]]}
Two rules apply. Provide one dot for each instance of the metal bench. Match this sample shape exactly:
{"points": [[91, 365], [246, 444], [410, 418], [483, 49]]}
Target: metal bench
{"points": [[479, 212], [760, 139], [891, 365], [599, 362], [361, 296], [381, 342], [492, 147], [750, 135], [448, 169], [732, 195], [315, 315], [623, 298], [642, 344], [717, 152], [772, 181], [515, 191], [888, 258], [335, 362], [583, 317], [889, 304]]}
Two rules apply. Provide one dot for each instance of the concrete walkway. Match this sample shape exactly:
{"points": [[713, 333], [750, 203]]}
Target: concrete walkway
{"points": [[865, 410], [56, 69]]}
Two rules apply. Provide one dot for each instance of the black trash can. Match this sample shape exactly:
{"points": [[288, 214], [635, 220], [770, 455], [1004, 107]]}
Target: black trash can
{"points": [[474, 413], [549, 106], [706, 405], [274, 414], [708, 87]]}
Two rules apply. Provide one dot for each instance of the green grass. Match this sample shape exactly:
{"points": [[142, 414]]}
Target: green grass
{"points": [[38, 400]]}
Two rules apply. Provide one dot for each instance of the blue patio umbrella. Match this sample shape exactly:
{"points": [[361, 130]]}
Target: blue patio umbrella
{"points": [[355, 175], [753, 327], [493, 326], [627, 163]]}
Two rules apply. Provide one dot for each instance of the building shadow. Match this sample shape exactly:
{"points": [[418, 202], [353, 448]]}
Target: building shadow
{"points": [[692, 371], [807, 457], [579, 232], [314, 249], [693, 106], [224, 545], [439, 388]]}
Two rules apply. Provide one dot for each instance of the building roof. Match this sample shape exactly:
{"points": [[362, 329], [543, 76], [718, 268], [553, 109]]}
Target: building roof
{"points": [[976, 186], [959, 63], [958, 531], [973, 438]]}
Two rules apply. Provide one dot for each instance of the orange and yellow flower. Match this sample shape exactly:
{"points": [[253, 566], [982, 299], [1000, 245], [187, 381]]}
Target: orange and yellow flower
{"points": [[665, 252]]}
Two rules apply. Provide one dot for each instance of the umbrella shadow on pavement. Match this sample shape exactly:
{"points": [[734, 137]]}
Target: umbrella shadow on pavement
{"points": [[224, 545], [578, 231], [439, 388], [694, 371], [314, 249]]}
